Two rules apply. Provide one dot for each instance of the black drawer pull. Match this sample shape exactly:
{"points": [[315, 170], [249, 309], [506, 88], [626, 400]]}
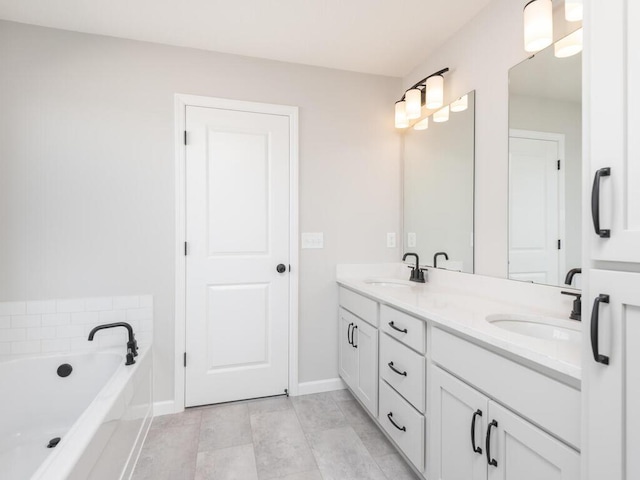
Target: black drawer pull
{"points": [[595, 202], [477, 413], [595, 318], [401, 330], [349, 334], [404, 374], [389, 416], [491, 461], [353, 341]]}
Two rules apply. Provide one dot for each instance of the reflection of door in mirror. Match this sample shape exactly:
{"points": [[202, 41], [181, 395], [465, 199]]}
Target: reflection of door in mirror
{"points": [[536, 201]]}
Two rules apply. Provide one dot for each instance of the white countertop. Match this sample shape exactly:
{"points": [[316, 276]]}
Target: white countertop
{"points": [[463, 312]]}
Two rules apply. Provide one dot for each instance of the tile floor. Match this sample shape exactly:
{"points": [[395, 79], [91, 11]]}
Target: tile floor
{"points": [[325, 436]]}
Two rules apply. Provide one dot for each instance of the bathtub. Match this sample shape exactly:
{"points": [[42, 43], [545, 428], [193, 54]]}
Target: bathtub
{"points": [[100, 411]]}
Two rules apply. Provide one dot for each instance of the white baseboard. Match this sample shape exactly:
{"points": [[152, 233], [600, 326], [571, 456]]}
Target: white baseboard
{"points": [[165, 407], [320, 386]]}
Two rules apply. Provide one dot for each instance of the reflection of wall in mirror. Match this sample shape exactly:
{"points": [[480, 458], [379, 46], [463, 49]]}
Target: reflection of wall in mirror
{"points": [[555, 116]]}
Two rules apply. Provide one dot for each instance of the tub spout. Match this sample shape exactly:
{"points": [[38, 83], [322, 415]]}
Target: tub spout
{"points": [[132, 344]]}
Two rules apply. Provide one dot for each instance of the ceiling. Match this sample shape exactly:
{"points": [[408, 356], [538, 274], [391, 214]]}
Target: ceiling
{"points": [[387, 37]]}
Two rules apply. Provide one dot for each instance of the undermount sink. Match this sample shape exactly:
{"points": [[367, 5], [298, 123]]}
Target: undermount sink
{"points": [[389, 282], [546, 328]]}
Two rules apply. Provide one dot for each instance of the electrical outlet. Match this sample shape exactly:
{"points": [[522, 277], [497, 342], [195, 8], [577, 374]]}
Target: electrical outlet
{"points": [[411, 239], [391, 240]]}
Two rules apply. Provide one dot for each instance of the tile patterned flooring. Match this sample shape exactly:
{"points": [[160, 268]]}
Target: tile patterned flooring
{"points": [[314, 437]]}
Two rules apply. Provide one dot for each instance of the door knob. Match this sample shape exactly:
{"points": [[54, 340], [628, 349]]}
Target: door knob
{"points": [[281, 268]]}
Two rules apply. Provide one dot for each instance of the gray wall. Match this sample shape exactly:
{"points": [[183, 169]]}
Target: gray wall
{"points": [[87, 172]]}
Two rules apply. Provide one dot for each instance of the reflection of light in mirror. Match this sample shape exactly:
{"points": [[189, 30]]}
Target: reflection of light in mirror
{"points": [[441, 115], [573, 10], [413, 99], [569, 45], [461, 104], [422, 124], [538, 25], [435, 92], [401, 115]]}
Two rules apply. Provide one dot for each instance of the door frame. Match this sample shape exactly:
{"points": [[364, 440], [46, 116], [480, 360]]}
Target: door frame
{"points": [[182, 101], [562, 225]]}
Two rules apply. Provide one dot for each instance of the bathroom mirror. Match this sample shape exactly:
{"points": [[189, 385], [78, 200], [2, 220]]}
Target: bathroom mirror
{"points": [[438, 188], [545, 172]]}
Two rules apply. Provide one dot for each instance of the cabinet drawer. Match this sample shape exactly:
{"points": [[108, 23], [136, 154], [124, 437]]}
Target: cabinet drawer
{"points": [[363, 307], [410, 386], [409, 433], [414, 335], [543, 400]]}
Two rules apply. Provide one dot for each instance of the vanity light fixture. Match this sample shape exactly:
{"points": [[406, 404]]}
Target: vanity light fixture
{"points": [[461, 104], [429, 92], [441, 115], [538, 25], [569, 45], [573, 10], [422, 124]]}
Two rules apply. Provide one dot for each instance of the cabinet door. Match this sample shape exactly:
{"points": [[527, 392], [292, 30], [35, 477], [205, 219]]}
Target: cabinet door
{"points": [[612, 389], [348, 355], [450, 451], [365, 339], [613, 66], [522, 451]]}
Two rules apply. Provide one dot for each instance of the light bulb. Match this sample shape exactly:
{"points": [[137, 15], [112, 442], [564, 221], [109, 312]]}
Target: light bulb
{"points": [[538, 25], [413, 98], [435, 92], [401, 115], [569, 45], [461, 104], [422, 124], [573, 10], [441, 115]]}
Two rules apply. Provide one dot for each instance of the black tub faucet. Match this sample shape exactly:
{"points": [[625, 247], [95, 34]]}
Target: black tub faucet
{"points": [[570, 274], [417, 273], [576, 309], [132, 344], [435, 258]]}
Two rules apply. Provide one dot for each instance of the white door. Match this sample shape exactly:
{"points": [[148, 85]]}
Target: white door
{"points": [[533, 210], [457, 411], [365, 340], [348, 353], [522, 451], [237, 231]]}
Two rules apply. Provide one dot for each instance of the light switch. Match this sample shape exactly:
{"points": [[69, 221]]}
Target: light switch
{"points": [[391, 240], [411, 239], [313, 240]]}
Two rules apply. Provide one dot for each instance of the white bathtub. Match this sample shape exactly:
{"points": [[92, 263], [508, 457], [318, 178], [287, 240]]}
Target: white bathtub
{"points": [[101, 412]]}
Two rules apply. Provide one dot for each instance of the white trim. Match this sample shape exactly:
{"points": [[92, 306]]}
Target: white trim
{"points": [[321, 386], [165, 407], [181, 103]]}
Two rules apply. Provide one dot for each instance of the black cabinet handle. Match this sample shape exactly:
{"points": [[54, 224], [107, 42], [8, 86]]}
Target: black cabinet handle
{"points": [[349, 339], [595, 202], [404, 374], [477, 413], [401, 330], [390, 417], [353, 341], [595, 317], [491, 461]]}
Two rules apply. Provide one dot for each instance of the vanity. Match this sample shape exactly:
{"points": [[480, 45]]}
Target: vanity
{"points": [[451, 374]]}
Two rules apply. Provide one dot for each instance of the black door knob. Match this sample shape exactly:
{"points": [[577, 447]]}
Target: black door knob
{"points": [[281, 268]]}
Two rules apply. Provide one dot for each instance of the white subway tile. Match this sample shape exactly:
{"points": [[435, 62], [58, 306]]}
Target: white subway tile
{"points": [[112, 341], [55, 345], [85, 318], [13, 334], [5, 348], [56, 319], [45, 306], [41, 333], [122, 303], [146, 301], [70, 305], [139, 314], [70, 331], [146, 325], [13, 308], [98, 304], [5, 322], [111, 316], [32, 346], [82, 344], [25, 321]]}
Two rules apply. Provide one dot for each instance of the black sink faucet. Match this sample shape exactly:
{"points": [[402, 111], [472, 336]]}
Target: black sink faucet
{"points": [[570, 274], [132, 344], [417, 273], [576, 310], [435, 258]]}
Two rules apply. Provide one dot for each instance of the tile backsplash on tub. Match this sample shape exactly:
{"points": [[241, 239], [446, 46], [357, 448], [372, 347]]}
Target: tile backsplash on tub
{"points": [[54, 326]]}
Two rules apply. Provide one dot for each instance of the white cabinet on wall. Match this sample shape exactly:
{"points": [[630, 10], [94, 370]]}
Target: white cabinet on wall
{"points": [[475, 438]]}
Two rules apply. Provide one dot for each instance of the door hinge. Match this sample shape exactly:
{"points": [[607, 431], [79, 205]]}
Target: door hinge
{"points": [[559, 244], [558, 164], [185, 137], [185, 359], [185, 249]]}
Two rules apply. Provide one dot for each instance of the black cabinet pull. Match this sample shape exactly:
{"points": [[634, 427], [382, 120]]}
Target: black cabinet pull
{"points": [[349, 339], [353, 341], [390, 417], [595, 317], [477, 413], [404, 374], [595, 202], [491, 461], [401, 330]]}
